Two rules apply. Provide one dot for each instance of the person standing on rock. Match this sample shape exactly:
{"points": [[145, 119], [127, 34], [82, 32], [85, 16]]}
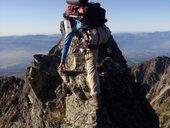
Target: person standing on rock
{"points": [[87, 20]]}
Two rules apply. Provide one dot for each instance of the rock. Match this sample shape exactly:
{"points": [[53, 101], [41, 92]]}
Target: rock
{"points": [[154, 75], [49, 98], [150, 72], [16, 107]]}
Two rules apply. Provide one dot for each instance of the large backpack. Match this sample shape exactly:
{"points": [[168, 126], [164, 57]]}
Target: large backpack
{"points": [[90, 14], [94, 15]]}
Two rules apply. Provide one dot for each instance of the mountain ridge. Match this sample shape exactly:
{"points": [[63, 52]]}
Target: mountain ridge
{"points": [[49, 98], [150, 69], [155, 73]]}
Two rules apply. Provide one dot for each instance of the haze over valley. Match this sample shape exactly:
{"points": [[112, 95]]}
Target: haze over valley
{"points": [[138, 47], [17, 51]]}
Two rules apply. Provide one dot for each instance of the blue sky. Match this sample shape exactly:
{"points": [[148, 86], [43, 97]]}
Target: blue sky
{"points": [[22, 17]]}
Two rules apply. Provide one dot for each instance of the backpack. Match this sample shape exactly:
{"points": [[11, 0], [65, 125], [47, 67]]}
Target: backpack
{"points": [[90, 14], [94, 15]]}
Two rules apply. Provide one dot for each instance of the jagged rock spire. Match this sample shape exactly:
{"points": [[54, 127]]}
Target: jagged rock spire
{"points": [[50, 98]]}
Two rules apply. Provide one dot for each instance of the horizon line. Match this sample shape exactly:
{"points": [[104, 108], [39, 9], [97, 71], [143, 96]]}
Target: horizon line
{"points": [[43, 34]]}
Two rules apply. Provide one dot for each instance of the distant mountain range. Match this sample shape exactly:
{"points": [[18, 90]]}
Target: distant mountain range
{"points": [[17, 51], [138, 47]]}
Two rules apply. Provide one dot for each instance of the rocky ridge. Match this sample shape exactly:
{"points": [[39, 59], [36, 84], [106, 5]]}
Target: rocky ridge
{"points": [[49, 98], [154, 75]]}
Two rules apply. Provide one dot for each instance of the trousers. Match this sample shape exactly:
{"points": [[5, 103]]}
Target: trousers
{"points": [[94, 36]]}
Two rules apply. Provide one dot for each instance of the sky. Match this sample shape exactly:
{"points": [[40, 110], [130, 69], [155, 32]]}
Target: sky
{"points": [[24, 17]]}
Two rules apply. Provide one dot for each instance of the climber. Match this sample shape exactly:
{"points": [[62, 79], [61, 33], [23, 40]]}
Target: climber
{"points": [[88, 20]]}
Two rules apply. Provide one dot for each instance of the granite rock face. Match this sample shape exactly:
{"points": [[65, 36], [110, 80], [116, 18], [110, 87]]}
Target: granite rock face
{"points": [[50, 98]]}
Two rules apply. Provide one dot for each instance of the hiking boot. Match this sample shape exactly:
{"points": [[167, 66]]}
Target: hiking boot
{"points": [[95, 100]]}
